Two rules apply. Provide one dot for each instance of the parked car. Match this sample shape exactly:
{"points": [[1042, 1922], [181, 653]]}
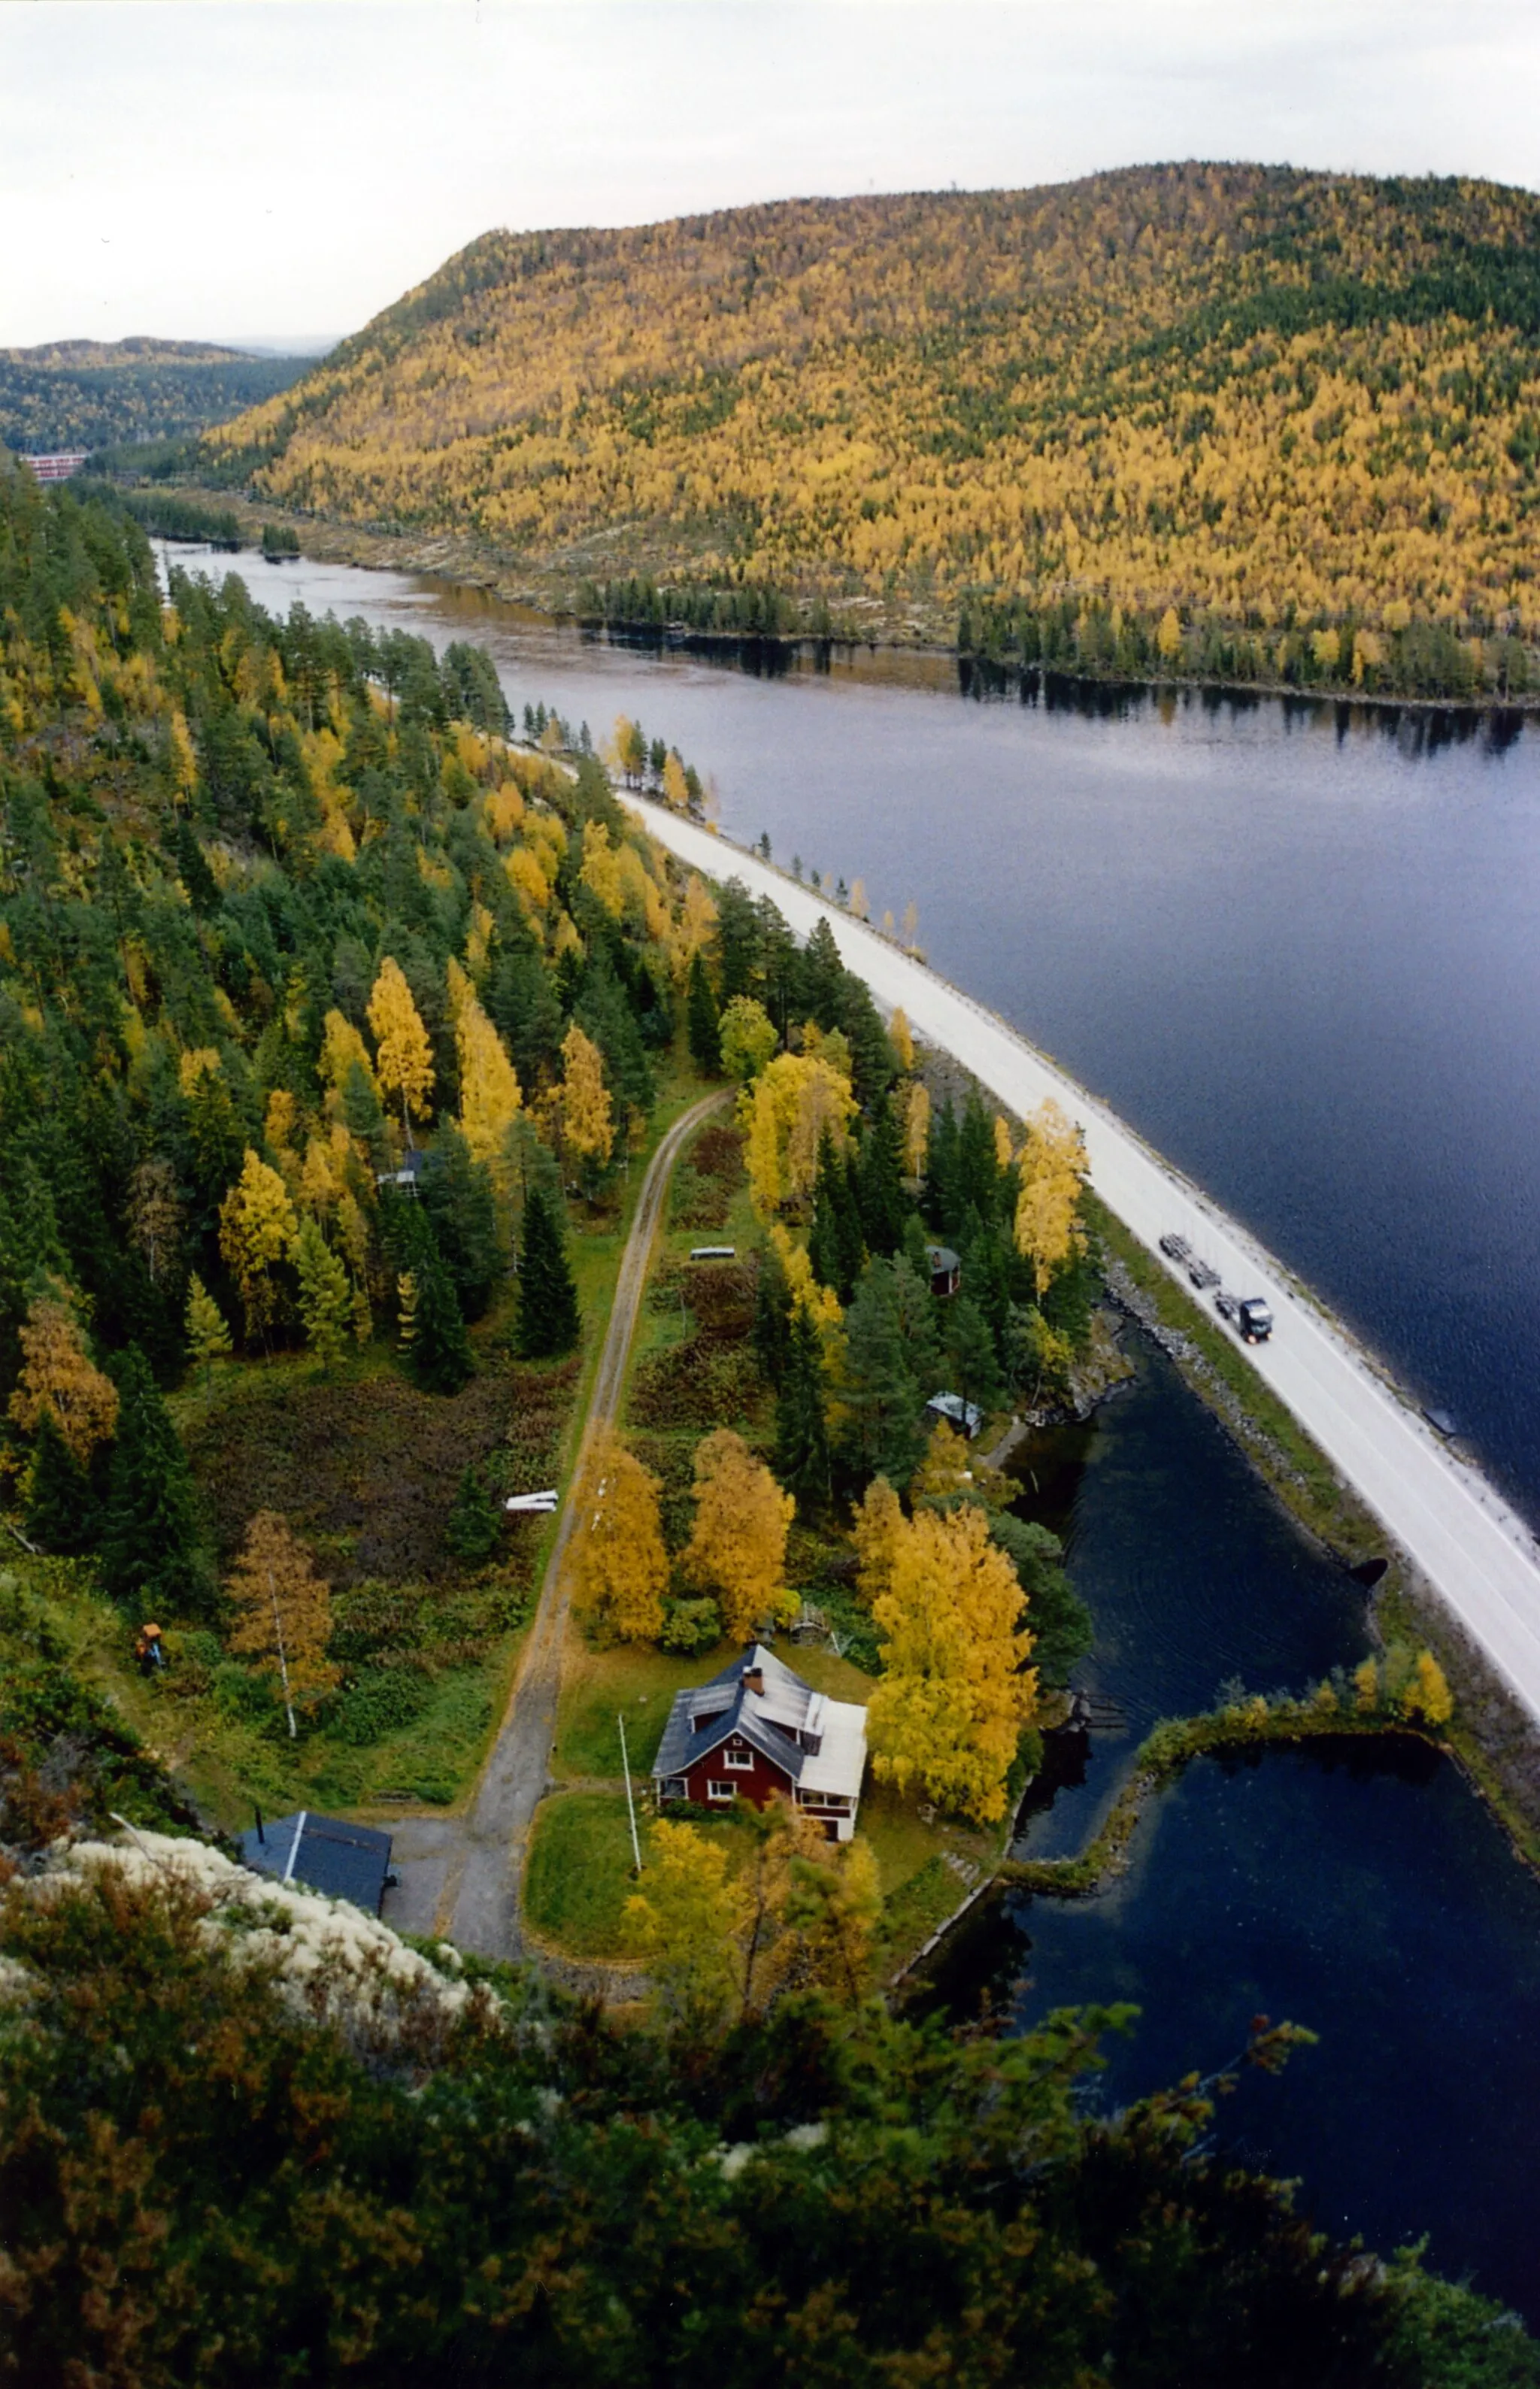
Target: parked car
{"points": [[1177, 1249]]}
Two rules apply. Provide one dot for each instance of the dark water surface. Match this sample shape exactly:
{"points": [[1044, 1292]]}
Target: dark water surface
{"points": [[1298, 947], [1193, 1575]]}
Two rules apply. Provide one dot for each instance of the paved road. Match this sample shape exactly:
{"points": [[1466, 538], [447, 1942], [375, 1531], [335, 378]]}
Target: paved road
{"points": [[462, 1875], [1471, 1545]]}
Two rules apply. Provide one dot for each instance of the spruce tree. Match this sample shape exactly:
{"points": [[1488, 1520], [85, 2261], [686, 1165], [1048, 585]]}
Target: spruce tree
{"points": [[475, 1519], [440, 1355], [971, 1354], [772, 1317], [455, 1191], [880, 1173], [61, 1508], [882, 1395], [149, 1555], [548, 1315], [801, 1421], [702, 1018]]}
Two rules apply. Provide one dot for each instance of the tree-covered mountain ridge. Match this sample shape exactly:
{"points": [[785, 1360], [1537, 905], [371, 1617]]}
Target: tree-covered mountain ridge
{"points": [[1231, 402]]}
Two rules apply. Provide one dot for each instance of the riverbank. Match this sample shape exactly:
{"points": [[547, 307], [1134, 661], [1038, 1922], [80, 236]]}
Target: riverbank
{"points": [[904, 626], [1457, 1539]]}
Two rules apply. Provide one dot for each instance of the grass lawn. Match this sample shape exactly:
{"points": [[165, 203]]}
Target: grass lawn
{"points": [[579, 1873]]}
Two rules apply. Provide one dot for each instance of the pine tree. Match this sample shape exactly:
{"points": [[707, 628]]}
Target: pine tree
{"points": [[801, 1416], [282, 1612], [150, 1557], [476, 1518], [61, 1508], [549, 1320], [738, 1547], [702, 1021]]}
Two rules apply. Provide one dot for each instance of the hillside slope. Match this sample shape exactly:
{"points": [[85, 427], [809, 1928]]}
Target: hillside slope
{"points": [[99, 394], [1250, 393]]}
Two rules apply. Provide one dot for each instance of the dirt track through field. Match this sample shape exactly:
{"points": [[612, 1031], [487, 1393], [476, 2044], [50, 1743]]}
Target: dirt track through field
{"points": [[463, 1876]]}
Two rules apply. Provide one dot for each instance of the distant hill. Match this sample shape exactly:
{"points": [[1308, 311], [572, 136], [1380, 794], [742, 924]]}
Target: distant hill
{"points": [[104, 394], [1263, 398]]}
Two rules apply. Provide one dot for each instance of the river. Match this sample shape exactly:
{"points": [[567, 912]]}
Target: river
{"points": [[1298, 947]]}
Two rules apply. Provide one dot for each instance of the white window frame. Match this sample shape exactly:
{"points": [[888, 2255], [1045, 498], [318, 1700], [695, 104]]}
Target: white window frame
{"points": [[741, 1759], [721, 1790]]}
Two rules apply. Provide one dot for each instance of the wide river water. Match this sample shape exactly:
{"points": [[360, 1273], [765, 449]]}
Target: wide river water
{"points": [[1298, 948]]}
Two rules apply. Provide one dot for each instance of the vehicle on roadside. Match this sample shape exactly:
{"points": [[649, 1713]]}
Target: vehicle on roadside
{"points": [[1177, 1249], [1251, 1318]]}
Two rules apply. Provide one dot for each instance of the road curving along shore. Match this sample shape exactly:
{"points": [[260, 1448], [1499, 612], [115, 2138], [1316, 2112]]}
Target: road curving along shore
{"points": [[1468, 1542]]}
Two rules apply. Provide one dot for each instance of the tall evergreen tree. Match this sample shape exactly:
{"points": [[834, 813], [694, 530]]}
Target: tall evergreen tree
{"points": [[737, 942], [440, 1355], [884, 1398], [772, 1317], [456, 1193], [971, 1354], [150, 1557], [978, 1171], [801, 1418], [474, 1519], [702, 1016], [822, 977], [943, 1205], [548, 1314], [61, 1507], [879, 1181]]}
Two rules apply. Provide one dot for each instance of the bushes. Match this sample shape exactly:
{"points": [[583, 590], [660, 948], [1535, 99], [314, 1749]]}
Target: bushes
{"points": [[378, 1703], [692, 1626]]}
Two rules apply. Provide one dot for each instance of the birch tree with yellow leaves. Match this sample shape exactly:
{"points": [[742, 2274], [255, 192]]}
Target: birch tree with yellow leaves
{"points": [[737, 1551], [489, 1092], [283, 1613], [585, 1111], [947, 1715], [619, 1566], [1053, 1172]]}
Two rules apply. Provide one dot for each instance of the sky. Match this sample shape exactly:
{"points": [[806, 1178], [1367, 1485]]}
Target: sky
{"points": [[280, 170]]}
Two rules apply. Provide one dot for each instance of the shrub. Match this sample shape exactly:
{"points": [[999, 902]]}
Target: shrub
{"points": [[690, 1626], [378, 1703], [250, 1698]]}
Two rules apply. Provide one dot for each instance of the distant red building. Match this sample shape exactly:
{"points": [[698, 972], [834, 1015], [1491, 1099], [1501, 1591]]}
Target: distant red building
{"points": [[60, 465]]}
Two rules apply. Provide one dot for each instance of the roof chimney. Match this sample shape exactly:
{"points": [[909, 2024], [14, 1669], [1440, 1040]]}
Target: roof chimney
{"points": [[754, 1677]]}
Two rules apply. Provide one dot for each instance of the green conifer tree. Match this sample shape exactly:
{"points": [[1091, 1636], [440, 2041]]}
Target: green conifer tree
{"points": [[801, 1417], [476, 1518], [971, 1354], [879, 1181], [62, 1514], [772, 1317], [702, 1022], [548, 1314], [882, 1396], [440, 1358], [456, 1194], [326, 1297], [150, 1557]]}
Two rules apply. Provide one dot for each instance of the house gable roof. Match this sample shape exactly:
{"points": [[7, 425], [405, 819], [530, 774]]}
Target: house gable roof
{"points": [[773, 1721]]}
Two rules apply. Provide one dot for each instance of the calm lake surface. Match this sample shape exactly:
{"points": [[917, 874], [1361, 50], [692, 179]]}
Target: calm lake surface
{"points": [[1299, 948]]}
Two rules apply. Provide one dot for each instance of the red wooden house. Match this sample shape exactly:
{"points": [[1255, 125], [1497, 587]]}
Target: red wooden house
{"points": [[757, 1730]]}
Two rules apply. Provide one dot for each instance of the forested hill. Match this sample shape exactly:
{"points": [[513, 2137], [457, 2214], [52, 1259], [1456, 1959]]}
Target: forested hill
{"points": [[106, 394], [1277, 401]]}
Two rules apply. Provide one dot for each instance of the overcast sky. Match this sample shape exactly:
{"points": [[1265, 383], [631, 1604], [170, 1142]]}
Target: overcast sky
{"points": [[272, 167]]}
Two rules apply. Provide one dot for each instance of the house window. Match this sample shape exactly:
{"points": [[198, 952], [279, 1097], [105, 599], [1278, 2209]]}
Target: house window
{"points": [[721, 1790], [675, 1787], [738, 1758]]}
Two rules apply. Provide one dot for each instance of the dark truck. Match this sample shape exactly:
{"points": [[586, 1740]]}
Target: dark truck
{"points": [[1250, 1318]]}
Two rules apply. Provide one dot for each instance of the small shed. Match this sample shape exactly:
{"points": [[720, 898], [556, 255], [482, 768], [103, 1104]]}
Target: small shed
{"points": [[950, 1409], [409, 1176], [945, 1268], [325, 1854]]}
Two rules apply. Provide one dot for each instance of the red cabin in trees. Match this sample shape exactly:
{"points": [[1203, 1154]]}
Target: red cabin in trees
{"points": [[757, 1732]]}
